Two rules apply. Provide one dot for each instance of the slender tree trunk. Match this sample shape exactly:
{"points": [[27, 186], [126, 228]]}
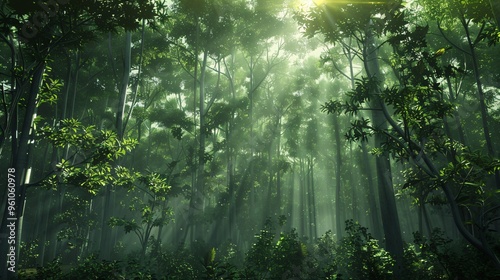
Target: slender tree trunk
{"points": [[456, 116], [122, 98], [75, 89], [107, 233], [495, 9], [252, 140], [200, 182], [423, 217], [135, 87], [278, 172], [193, 204], [339, 205], [291, 199], [314, 222], [309, 198], [420, 219], [230, 151], [10, 113], [480, 93], [374, 211], [67, 87], [22, 168], [268, 209], [47, 198], [303, 195], [352, 183], [390, 218], [427, 220], [160, 227], [86, 244]]}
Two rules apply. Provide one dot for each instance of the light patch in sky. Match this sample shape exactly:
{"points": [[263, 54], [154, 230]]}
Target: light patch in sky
{"points": [[307, 4], [311, 3]]}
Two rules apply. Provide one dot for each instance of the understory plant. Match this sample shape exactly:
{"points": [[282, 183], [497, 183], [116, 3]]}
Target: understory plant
{"points": [[284, 255]]}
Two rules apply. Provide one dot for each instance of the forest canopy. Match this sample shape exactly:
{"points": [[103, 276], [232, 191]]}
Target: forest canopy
{"points": [[250, 139]]}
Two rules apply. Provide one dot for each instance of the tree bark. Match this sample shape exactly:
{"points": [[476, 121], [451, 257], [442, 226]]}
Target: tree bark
{"points": [[122, 98], [481, 97], [20, 161], [107, 236], [200, 181], [339, 207], [390, 218], [374, 211]]}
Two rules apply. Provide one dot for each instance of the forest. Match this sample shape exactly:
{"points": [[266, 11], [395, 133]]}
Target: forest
{"points": [[250, 139]]}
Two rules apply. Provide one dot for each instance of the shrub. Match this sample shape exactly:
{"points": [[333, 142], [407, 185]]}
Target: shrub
{"points": [[324, 251], [285, 257], [360, 257], [51, 271], [93, 268]]}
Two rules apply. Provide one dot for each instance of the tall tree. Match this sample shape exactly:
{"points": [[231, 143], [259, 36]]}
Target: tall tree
{"points": [[337, 21], [417, 128], [43, 30], [471, 15]]}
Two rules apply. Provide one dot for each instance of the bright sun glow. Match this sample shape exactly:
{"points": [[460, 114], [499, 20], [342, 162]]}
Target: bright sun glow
{"points": [[311, 3], [308, 4]]}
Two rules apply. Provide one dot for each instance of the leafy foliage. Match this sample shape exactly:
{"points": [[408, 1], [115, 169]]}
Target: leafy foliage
{"points": [[439, 257], [360, 257], [260, 130], [29, 250], [153, 210], [92, 268], [51, 271], [93, 153], [284, 256], [270, 260]]}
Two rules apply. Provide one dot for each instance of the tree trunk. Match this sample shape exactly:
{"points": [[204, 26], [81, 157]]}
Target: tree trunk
{"points": [[135, 87], [21, 164], [374, 211], [390, 219], [302, 197], [291, 200], [314, 223], [352, 183], [309, 198], [495, 9], [457, 123], [122, 98], [339, 207], [107, 233], [480, 94], [200, 182], [278, 172]]}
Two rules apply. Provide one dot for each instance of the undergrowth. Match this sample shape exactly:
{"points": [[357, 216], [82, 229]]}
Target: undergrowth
{"points": [[277, 255]]}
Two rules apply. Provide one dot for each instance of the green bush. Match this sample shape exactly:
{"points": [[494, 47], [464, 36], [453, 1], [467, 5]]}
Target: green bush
{"points": [[358, 255], [324, 252], [283, 255], [51, 271], [29, 251], [170, 263], [423, 258], [93, 268]]}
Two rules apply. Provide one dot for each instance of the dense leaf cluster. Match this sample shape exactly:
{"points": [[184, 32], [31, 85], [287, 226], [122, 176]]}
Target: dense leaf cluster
{"points": [[284, 255]]}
